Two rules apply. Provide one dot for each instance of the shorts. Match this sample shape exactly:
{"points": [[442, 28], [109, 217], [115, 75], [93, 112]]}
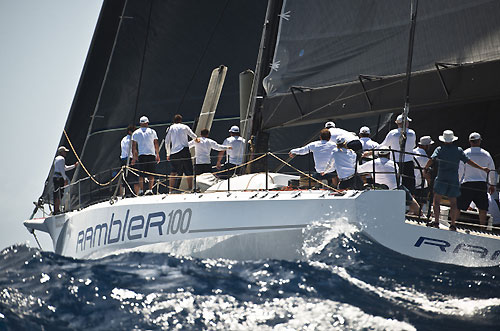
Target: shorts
{"points": [[473, 191], [202, 168], [146, 163], [181, 162], [448, 188], [58, 187]]}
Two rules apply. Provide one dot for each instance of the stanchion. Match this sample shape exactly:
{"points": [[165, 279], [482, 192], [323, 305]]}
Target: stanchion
{"points": [[267, 171]]}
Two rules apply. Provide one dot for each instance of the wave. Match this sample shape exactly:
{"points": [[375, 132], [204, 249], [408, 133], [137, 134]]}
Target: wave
{"points": [[344, 281]]}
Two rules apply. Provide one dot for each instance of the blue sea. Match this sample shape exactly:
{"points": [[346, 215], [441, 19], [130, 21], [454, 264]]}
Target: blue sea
{"points": [[346, 282]]}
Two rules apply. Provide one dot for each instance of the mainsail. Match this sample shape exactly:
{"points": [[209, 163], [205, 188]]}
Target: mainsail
{"points": [[346, 59], [154, 58]]}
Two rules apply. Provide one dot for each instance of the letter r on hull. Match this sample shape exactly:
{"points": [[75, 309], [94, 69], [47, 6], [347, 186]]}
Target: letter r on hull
{"points": [[442, 244]]}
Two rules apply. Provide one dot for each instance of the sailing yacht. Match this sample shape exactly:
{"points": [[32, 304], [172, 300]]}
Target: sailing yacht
{"points": [[334, 60]]}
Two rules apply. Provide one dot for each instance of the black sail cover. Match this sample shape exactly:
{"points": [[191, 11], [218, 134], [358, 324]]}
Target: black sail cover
{"points": [[154, 58], [345, 60]]}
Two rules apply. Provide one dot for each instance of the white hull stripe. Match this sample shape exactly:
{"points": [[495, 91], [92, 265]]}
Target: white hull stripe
{"points": [[246, 228]]}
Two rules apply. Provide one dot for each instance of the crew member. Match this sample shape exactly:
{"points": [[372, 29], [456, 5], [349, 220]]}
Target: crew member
{"points": [[352, 141], [126, 157], [145, 151], [234, 154], [446, 182], [344, 161], [384, 172], [392, 141], [420, 160], [322, 152], [60, 179], [202, 150], [177, 146], [366, 142], [474, 183]]}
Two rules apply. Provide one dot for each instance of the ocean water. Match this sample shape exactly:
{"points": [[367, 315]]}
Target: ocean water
{"points": [[345, 282]]}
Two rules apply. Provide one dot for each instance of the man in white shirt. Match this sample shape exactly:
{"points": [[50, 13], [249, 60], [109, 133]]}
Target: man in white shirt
{"points": [[322, 152], [366, 142], [202, 152], [177, 146], [344, 161], [126, 156], [145, 151], [475, 183], [420, 160], [384, 171], [352, 141], [60, 179], [392, 141], [234, 155]]}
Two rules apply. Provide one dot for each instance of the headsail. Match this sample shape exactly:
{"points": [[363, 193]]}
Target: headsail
{"points": [[162, 59]]}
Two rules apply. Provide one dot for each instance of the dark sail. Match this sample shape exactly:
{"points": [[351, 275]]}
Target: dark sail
{"points": [[345, 61], [154, 58]]}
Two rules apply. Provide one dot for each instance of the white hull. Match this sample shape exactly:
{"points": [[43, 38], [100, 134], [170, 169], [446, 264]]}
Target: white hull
{"points": [[254, 225]]}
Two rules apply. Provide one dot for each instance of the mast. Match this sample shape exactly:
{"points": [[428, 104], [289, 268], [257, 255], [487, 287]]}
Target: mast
{"points": [[406, 110]]}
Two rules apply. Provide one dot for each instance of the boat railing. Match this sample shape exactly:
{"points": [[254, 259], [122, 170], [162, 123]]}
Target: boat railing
{"points": [[118, 181]]}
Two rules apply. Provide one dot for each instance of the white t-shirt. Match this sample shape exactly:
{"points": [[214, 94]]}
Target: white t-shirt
{"points": [[422, 161], [145, 137], [392, 141], [322, 152], [368, 143], [338, 132], [467, 173], [203, 148], [344, 161], [385, 171], [177, 137], [125, 145], [60, 167], [235, 155]]}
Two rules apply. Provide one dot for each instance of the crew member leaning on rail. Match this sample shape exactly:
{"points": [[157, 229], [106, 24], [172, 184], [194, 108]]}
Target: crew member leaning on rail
{"points": [[322, 152], [60, 179], [446, 182], [146, 151]]}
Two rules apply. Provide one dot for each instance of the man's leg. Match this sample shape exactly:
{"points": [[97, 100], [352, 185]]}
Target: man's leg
{"points": [[172, 179], [483, 217], [151, 182], [453, 210], [437, 207]]}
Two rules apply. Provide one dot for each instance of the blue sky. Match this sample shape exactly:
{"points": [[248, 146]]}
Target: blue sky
{"points": [[43, 46]]}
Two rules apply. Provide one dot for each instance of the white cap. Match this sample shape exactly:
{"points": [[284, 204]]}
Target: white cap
{"points": [[384, 150], [329, 125], [448, 136], [234, 129], [474, 136], [399, 119], [340, 140], [425, 140], [62, 149], [144, 119], [364, 130]]}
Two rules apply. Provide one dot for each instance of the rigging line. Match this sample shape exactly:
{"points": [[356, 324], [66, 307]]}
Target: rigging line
{"points": [[303, 173], [34, 235], [85, 169], [201, 57], [142, 62], [96, 108]]}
